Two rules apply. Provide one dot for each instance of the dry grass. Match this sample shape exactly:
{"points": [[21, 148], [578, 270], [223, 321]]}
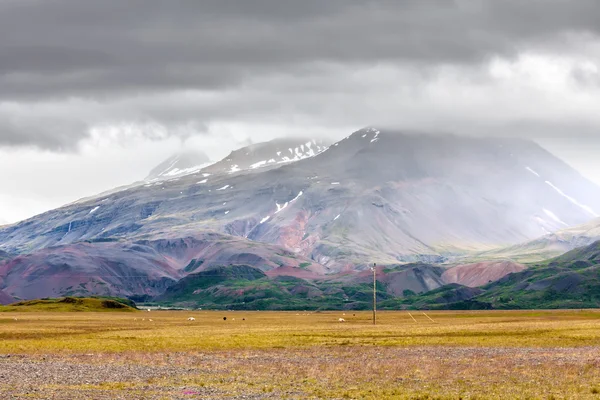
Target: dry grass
{"points": [[283, 355]]}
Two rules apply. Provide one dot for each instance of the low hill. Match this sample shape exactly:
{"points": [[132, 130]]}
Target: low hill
{"points": [[244, 287], [569, 281], [482, 273], [71, 304], [111, 267]]}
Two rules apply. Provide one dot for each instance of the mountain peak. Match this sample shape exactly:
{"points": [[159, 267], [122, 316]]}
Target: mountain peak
{"points": [[266, 154], [182, 163]]}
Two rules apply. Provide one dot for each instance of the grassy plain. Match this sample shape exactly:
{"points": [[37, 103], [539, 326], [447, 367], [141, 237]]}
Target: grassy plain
{"points": [[498, 354]]}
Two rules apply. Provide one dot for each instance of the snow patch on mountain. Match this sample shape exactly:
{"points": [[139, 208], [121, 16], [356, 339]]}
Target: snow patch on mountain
{"points": [[532, 171], [572, 200], [181, 164], [554, 217]]}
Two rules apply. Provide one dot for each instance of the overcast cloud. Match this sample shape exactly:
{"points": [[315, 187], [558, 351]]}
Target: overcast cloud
{"points": [[94, 93]]}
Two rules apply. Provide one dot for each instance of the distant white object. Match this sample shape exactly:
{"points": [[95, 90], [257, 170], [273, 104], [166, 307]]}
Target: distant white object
{"points": [[94, 209], [337, 217], [150, 320], [191, 319], [148, 310], [342, 320]]}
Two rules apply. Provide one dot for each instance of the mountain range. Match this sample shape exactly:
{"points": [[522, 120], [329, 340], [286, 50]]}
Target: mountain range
{"points": [[304, 209]]}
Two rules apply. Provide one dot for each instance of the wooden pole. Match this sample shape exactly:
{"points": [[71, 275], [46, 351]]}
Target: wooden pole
{"points": [[374, 294]]}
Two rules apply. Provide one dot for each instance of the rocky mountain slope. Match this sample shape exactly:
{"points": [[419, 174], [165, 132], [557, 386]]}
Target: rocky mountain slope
{"points": [[377, 196]]}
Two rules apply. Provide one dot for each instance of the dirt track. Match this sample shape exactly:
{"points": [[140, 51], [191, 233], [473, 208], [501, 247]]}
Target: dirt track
{"points": [[297, 373]]}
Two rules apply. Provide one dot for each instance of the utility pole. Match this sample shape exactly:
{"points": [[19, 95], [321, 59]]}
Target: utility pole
{"points": [[374, 293]]}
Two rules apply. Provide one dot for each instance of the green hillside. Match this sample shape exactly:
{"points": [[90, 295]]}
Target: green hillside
{"points": [[72, 304]]}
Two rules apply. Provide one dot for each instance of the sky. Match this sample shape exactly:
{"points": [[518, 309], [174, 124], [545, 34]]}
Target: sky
{"points": [[94, 94]]}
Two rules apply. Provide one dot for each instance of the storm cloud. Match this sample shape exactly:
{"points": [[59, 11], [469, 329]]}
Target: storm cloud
{"points": [[209, 61]]}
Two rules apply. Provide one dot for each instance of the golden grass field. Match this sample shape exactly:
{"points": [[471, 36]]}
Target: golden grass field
{"points": [[468, 355]]}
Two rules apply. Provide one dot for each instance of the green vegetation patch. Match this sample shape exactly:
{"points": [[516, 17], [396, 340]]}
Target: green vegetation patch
{"points": [[72, 304]]}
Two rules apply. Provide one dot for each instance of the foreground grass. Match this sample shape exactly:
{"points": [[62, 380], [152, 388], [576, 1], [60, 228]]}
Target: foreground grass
{"points": [[302, 355], [170, 331]]}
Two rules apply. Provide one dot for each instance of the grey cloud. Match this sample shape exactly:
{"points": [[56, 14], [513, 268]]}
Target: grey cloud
{"points": [[67, 66], [60, 47]]}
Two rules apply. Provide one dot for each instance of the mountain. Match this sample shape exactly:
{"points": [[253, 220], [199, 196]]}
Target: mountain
{"points": [[272, 153], [182, 163], [379, 196], [375, 196]]}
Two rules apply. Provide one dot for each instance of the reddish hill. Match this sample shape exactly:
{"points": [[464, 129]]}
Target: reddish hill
{"points": [[482, 273], [135, 268]]}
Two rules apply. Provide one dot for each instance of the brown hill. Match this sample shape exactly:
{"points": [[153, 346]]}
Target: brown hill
{"points": [[482, 273]]}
